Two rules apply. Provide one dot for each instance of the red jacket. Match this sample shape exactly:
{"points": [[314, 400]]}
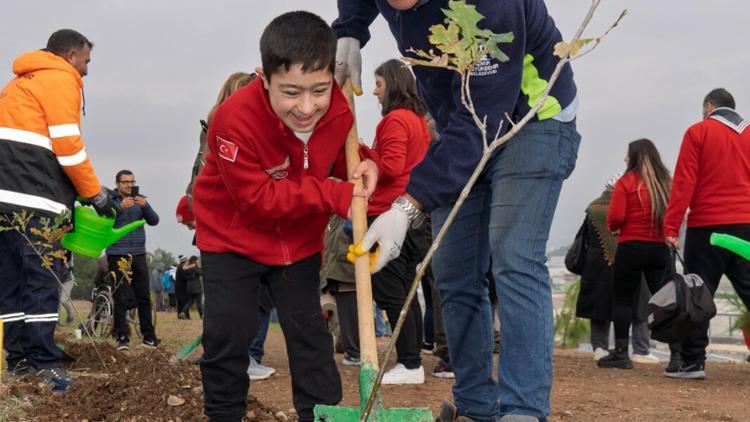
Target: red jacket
{"points": [[712, 178], [401, 141], [254, 197], [630, 211]]}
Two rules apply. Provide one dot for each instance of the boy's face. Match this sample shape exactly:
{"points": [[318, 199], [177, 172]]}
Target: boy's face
{"points": [[299, 98]]}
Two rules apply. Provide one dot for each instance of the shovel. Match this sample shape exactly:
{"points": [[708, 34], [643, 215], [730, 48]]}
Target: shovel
{"points": [[368, 369]]}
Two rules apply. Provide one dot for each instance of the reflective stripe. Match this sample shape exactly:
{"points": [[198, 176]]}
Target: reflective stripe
{"points": [[14, 319], [71, 160], [31, 201], [6, 317], [48, 319], [61, 131], [42, 315], [26, 137]]}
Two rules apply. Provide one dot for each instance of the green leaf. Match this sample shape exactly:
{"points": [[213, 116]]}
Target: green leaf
{"points": [[494, 49], [465, 16]]}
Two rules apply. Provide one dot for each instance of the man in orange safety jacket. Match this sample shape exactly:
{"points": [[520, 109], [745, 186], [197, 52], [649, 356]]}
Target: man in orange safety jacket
{"points": [[43, 166]]}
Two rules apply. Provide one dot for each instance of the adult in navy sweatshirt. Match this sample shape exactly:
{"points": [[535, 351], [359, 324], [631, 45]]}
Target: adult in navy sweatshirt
{"points": [[132, 247], [508, 213]]}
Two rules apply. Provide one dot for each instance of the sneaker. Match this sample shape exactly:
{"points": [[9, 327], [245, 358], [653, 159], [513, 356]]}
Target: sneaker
{"points": [[21, 368], [649, 358], [123, 343], [181, 316], [673, 367], [399, 375], [615, 360], [600, 353], [428, 347], [151, 343], [349, 360], [256, 371], [443, 370], [57, 377], [693, 371]]}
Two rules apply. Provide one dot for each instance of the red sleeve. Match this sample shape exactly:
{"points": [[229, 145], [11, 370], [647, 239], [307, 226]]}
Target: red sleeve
{"points": [[260, 197], [618, 206], [391, 143], [683, 183]]}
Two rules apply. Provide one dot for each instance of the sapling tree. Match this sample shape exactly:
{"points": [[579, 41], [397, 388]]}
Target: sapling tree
{"points": [[460, 44]]}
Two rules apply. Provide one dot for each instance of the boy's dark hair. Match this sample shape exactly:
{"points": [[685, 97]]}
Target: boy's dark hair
{"points": [[122, 173], [719, 97], [297, 37], [400, 88], [61, 41]]}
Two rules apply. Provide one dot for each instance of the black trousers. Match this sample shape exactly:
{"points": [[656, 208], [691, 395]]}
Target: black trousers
{"points": [[390, 286], [710, 263], [196, 299], [140, 289], [231, 288], [346, 305], [633, 261], [29, 298]]}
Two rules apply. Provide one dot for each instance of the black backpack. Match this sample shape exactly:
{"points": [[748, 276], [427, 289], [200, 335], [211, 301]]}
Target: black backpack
{"points": [[681, 305]]}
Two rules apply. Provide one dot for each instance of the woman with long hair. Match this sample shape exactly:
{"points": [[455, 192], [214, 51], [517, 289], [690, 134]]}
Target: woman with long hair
{"points": [[637, 209], [401, 140]]}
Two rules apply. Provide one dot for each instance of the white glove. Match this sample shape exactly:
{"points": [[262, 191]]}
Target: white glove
{"points": [[349, 63], [389, 231]]}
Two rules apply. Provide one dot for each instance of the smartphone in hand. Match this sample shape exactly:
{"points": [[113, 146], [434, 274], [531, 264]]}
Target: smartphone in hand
{"points": [[134, 191]]}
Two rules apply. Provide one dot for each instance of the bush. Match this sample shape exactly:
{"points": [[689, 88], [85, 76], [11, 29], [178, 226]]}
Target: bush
{"points": [[570, 329]]}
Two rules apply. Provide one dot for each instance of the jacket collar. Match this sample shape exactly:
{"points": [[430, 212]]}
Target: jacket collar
{"points": [[729, 118]]}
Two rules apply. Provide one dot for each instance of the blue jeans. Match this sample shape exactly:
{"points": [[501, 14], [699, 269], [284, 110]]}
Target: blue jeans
{"points": [[381, 328], [507, 216], [256, 347]]}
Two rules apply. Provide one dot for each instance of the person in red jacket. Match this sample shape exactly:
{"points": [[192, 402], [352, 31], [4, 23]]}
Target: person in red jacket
{"points": [[636, 210], [712, 179], [401, 140], [262, 202]]}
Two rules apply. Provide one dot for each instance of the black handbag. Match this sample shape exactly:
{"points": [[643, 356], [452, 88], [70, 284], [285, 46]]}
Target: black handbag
{"points": [[574, 259], [681, 305]]}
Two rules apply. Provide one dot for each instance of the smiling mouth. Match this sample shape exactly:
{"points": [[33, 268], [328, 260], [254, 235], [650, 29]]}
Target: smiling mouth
{"points": [[304, 120]]}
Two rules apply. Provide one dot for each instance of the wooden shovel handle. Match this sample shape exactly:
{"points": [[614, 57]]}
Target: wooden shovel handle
{"points": [[367, 345]]}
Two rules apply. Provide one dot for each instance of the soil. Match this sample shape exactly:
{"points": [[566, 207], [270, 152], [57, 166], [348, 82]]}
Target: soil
{"points": [[137, 385]]}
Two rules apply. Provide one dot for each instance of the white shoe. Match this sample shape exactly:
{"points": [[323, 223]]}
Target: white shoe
{"points": [[599, 353], [256, 371], [649, 358], [399, 375]]}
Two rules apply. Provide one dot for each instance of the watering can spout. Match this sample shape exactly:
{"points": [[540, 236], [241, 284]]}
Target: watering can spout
{"points": [[735, 244], [124, 230]]}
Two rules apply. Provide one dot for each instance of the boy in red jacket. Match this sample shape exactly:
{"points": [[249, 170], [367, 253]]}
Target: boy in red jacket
{"points": [[262, 203]]}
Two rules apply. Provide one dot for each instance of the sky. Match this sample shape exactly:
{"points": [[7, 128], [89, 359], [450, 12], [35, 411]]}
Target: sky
{"points": [[157, 67]]}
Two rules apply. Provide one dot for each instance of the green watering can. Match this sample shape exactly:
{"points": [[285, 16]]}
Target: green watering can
{"points": [[732, 243], [93, 233]]}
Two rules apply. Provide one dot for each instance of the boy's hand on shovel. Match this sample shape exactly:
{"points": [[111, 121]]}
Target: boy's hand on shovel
{"points": [[388, 231], [369, 171]]}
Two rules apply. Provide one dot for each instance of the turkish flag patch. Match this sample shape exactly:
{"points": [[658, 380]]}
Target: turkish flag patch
{"points": [[227, 150]]}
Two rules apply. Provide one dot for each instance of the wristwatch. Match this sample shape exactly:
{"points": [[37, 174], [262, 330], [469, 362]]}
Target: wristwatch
{"points": [[415, 216]]}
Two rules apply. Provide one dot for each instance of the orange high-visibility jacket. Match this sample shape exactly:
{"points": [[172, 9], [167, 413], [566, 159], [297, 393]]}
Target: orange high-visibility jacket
{"points": [[43, 161]]}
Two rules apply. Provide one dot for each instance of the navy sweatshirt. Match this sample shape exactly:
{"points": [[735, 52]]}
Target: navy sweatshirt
{"points": [[133, 243], [497, 88]]}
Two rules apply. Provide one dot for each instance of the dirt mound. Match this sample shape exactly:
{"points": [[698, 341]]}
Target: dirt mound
{"points": [[139, 385]]}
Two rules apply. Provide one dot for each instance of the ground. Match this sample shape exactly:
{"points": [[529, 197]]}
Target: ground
{"points": [[137, 386]]}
